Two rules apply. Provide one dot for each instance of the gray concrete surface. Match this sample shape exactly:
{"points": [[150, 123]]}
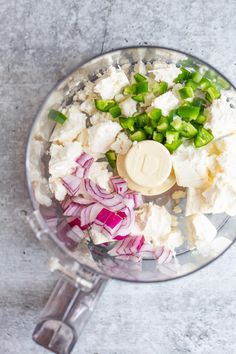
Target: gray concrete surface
{"points": [[41, 41]]}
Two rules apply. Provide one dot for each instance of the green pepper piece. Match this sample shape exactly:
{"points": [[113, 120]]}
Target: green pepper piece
{"points": [[139, 135], [196, 77], [176, 123], [141, 120], [140, 78], [188, 112], [204, 84], [183, 76], [57, 116], [127, 123], [221, 83], [192, 84], [141, 87], [115, 111], [159, 88], [189, 63], [139, 98], [163, 124], [104, 105], [159, 137], [130, 90], [203, 137], [186, 92], [148, 129], [199, 102], [155, 115], [188, 130], [172, 140], [212, 94], [201, 119], [111, 157]]}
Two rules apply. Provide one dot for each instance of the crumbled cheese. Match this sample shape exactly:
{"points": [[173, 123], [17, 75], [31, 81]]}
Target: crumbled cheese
{"points": [[97, 237], [111, 83], [75, 123], [100, 117], [100, 175], [201, 232], [63, 158], [128, 107], [166, 102], [122, 144], [173, 240], [191, 166], [57, 188], [88, 106], [166, 72], [152, 221], [221, 117], [221, 195], [102, 135], [196, 203]]}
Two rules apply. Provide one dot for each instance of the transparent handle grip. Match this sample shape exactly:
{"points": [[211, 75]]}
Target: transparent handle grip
{"points": [[65, 315]]}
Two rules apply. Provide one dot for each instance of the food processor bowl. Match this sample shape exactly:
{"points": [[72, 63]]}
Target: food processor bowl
{"points": [[85, 268]]}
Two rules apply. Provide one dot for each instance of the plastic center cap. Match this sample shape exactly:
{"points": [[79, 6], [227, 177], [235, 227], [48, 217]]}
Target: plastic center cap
{"points": [[148, 163]]}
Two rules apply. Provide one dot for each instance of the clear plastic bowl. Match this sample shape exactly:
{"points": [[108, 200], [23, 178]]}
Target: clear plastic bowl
{"points": [[89, 266]]}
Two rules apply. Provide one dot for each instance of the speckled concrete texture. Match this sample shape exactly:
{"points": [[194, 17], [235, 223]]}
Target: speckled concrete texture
{"points": [[40, 42]]}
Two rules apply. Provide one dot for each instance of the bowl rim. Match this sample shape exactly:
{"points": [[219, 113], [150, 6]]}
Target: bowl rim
{"points": [[27, 148]]}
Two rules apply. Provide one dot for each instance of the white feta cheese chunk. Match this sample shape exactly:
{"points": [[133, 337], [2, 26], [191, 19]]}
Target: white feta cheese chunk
{"points": [[128, 107], [88, 106], [221, 117], [75, 123], [122, 144], [201, 232], [57, 188], [191, 166], [152, 221], [196, 203], [100, 175], [102, 135], [63, 158], [166, 102], [165, 72], [221, 195], [98, 237], [173, 240], [111, 83], [100, 117]]}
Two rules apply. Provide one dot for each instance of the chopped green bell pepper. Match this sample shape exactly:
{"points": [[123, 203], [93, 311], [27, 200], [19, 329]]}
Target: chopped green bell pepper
{"points": [[140, 78], [159, 137], [186, 92], [203, 137], [183, 76], [204, 84], [154, 115], [212, 94], [130, 90], [196, 77], [111, 157], [192, 84], [188, 112], [159, 88], [115, 111], [163, 124], [141, 120], [172, 141], [127, 123], [57, 116], [148, 129], [139, 98], [104, 105], [201, 119], [139, 135]]}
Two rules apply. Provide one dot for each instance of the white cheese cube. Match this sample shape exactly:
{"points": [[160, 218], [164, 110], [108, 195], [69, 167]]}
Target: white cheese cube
{"points": [[166, 102], [100, 175], [201, 232], [122, 144], [165, 72], [111, 83], [102, 135], [128, 107], [75, 123]]}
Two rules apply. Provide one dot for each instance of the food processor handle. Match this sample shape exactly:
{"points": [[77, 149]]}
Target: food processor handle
{"points": [[65, 315]]}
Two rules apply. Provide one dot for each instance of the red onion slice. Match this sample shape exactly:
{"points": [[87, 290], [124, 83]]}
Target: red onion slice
{"points": [[72, 184], [119, 185]]}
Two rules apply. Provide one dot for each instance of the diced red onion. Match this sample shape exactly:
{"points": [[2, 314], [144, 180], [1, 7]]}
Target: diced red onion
{"points": [[136, 197], [127, 224], [85, 160], [163, 255], [102, 195], [129, 246], [119, 185], [112, 224], [73, 209], [88, 214], [79, 171], [66, 202], [76, 222], [76, 234], [82, 201], [72, 184]]}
